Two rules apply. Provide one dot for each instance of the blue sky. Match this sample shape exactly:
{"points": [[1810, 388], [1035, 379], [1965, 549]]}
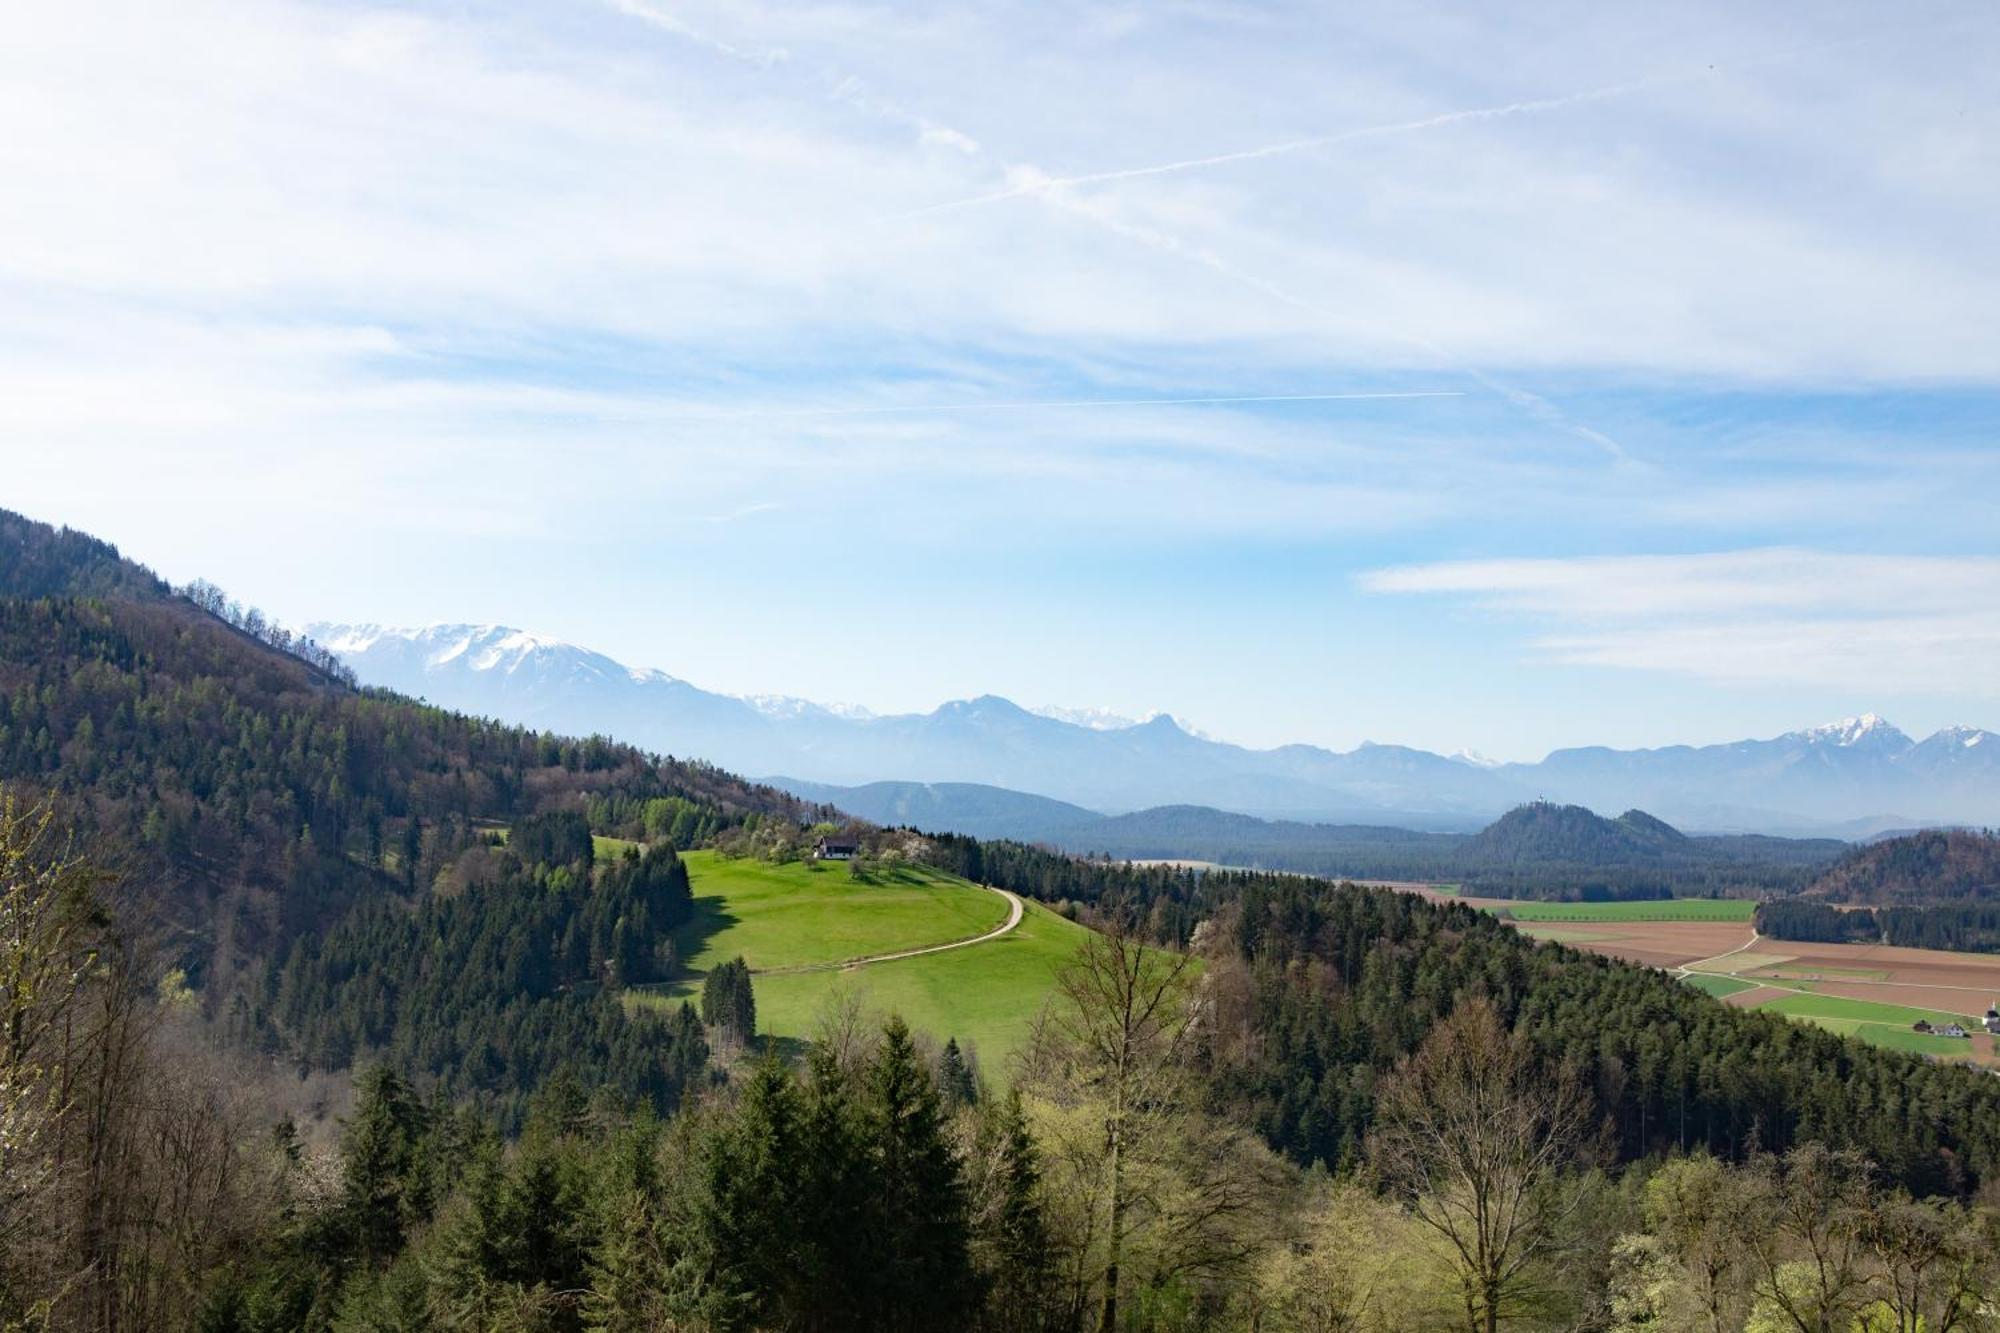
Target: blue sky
{"points": [[1633, 378]]}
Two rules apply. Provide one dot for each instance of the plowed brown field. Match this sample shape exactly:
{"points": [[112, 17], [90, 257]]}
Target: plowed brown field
{"points": [[1928, 979]]}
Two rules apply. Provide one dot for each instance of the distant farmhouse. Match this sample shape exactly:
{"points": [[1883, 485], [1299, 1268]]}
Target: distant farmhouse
{"points": [[1993, 1019], [831, 848], [1951, 1029]]}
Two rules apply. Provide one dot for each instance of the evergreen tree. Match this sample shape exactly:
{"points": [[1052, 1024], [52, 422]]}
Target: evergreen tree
{"points": [[926, 1278], [1010, 1233], [955, 1076], [746, 1228], [727, 1002], [837, 1187], [379, 1148]]}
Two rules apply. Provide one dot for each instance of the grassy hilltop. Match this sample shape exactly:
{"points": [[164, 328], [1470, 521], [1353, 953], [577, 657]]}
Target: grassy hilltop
{"points": [[805, 915]]}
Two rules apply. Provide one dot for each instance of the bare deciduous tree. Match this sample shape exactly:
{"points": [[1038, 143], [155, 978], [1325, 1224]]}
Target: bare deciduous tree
{"points": [[1934, 1267], [1118, 1034], [46, 954], [1705, 1217], [1812, 1271], [1475, 1134]]}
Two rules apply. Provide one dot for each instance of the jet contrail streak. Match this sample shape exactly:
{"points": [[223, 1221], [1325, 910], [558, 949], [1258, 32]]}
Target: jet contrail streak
{"points": [[1093, 402], [1044, 184], [660, 18]]}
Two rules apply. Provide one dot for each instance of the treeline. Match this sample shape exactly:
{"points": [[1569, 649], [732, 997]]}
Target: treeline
{"points": [[253, 622], [1968, 928], [1820, 923], [488, 990]]}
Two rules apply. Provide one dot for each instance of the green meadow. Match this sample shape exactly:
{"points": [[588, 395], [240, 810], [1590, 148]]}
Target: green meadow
{"points": [[1879, 1024], [1662, 909], [1720, 986], [809, 912], [803, 915]]}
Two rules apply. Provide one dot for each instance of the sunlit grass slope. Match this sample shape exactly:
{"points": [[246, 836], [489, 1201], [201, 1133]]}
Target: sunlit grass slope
{"points": [[782, 916], [808, 912]]}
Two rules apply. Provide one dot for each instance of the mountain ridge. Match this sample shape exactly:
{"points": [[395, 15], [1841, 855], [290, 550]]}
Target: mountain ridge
{"points": [[1852, 772]]}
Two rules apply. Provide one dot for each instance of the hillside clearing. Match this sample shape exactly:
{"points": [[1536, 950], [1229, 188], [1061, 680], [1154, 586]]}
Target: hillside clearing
{"points": [[805, 915]]}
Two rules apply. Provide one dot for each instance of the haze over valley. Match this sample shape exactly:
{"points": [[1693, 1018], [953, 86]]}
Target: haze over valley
{"points": [[1850, 778]]}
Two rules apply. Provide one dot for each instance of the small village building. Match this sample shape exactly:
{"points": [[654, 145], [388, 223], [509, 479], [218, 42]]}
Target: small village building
{"points": [[1949, 1030], [1993, 1020], [1921, 1025], [832, 848]]}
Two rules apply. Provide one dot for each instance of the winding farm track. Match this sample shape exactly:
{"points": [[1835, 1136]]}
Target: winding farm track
{"points": [[1700, 967], [1014, 913], [1685, 968]]}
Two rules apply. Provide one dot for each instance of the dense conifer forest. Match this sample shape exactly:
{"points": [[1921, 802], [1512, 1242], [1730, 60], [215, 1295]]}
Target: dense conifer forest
{"points": [[1971, 928]]}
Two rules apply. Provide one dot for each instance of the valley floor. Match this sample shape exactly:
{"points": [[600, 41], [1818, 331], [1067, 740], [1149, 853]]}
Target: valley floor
{"points": [[1874, 991]]}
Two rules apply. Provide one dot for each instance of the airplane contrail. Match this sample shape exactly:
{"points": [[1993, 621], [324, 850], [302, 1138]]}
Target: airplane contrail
{"points": [[1022, 404], [763, 58], [1037, 184], [1051, 189], [1151, 237]]}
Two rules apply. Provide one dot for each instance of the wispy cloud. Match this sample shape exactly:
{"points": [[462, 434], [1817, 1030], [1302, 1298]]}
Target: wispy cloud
{"points": [[742, 511], [666, 21], [1889, 623]]}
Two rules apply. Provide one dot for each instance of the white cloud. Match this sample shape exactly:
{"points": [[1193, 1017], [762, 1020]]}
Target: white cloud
{"points": [[1870, 623]]}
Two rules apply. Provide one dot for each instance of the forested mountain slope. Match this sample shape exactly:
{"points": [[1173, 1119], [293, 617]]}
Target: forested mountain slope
{"points": [[1916, 870], [249, 797]]}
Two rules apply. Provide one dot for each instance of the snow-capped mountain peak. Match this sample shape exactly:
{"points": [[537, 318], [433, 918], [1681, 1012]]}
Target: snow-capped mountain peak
{"points": [[1850, 731], [784, 707], [1960, 737], [498, 649], [1095, 719], [1855, 769], [1474, 759]]}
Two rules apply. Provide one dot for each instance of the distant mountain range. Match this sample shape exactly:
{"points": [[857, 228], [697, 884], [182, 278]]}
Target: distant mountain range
{"points": [[1534, 850], [1852, 777]]}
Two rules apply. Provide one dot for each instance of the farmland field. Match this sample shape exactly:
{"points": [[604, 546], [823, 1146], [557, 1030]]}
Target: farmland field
{"points": [[1712, 945], [789, 916], [1717, 986], [1664, 909], [605, 848], [1873, 1021]]}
